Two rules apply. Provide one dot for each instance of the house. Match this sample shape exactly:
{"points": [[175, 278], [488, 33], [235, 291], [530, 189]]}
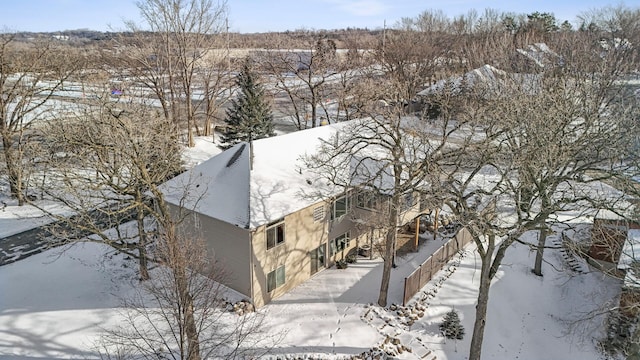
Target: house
{"points": [[485, 76], [609, 233], [487, 80], [521, 72], [271, 223], [628, 266], [615, 248], [539, 55]]}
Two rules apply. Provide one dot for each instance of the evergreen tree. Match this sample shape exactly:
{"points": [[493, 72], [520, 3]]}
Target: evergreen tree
{"points": [[451, 327], [249, 117]]}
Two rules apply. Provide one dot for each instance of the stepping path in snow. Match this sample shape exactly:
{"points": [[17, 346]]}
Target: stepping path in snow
{"points": [[561, 241]]}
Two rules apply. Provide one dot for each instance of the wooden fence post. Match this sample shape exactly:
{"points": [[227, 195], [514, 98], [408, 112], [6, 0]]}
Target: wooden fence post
{"points": [[415, 247]]}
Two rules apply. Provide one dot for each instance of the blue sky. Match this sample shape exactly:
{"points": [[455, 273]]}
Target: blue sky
{"points": [[271, 15]]}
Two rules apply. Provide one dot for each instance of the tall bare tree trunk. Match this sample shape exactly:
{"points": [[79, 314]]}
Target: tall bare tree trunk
{"points": [[178, 262], [142, 245], [193, 342], [389, 250], [209, 102], [475, 351], [14, 171], [542, 238], [191, 123]]}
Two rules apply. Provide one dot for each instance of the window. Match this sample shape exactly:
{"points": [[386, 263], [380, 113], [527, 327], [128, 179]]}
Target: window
{"points": [[340, 207], [275, 279], [317, 258], [366, 200], [339, 243], [408, 201], [275, 234], [318, 213]]}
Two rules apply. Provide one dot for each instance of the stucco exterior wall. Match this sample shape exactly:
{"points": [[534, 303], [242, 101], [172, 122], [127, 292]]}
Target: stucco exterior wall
{"points": [[246, 261], [302, 235]]}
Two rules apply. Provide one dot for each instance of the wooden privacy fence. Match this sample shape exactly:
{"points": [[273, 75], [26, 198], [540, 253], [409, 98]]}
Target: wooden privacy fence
{"points": [[424, 273]]}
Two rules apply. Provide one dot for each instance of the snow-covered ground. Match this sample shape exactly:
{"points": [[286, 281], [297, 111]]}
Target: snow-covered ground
{"points": [[55, 305], [15, 219]]}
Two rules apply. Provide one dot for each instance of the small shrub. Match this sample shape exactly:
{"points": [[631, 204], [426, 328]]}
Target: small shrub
{"points": [[621, 338], [341, 264], [451, 328], [351, 259]]}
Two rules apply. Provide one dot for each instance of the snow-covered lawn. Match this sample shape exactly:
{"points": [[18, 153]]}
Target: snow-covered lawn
{"points": [[53, 306], [16, 219], [529, 317]]}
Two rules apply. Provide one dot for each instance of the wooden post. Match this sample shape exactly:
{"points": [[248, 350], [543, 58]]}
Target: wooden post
{"points": [[404, 295], [435, 224], [415, 247]]}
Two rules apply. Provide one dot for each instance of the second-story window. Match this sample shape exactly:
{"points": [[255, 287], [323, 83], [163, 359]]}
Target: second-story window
{"points": [[367, 200], [408, 201], [340, 207], [275, 234]]}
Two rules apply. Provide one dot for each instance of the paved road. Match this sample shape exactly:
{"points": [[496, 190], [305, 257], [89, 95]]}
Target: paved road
{"points": [[25, 244], [36, 240]]}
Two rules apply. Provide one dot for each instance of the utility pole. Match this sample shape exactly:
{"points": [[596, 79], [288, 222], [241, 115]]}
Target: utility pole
{"points": [[226, 23], [384, 36]]}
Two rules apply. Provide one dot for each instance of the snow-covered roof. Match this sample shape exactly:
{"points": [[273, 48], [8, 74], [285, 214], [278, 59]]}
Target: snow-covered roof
{"points": [[218, 187], [488, 79], [630, 254], [630, 250], [228, 187], [486, 75], [606, 214], [540, 54]]}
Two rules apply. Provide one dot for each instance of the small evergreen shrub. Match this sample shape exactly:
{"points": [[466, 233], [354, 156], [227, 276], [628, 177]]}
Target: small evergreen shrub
{"points": [[451, 328]]}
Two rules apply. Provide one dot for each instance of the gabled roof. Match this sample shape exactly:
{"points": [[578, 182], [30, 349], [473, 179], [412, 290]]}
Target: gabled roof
{"points": [[218, 187], [486, 76], [230, 188], [630, 250]]}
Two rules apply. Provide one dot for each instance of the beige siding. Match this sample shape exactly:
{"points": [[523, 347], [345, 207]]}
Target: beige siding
{"points": [[338, 228], [302, 234], [243, 253], [408, 214]]}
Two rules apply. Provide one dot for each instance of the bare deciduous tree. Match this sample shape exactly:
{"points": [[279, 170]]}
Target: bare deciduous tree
{"points": [[412, 58], [392, 159], [30, 74], [174, 58], [181, 312], [541, 143], [304, 77], [105, 161]]}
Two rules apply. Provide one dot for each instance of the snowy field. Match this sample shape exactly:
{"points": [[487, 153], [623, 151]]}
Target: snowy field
{"points": [[55, 305]]}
